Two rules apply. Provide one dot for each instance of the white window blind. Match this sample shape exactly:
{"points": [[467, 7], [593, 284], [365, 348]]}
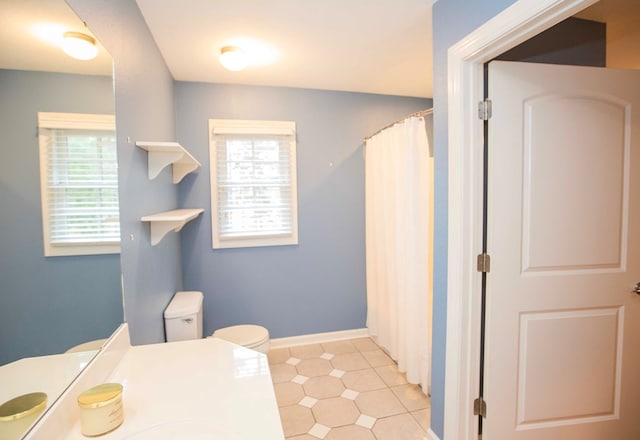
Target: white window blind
{"points": [[79, 180], [253, 183]]}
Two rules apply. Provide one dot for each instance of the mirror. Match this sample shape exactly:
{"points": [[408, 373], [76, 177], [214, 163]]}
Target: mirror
{"points": [[47, 304]]}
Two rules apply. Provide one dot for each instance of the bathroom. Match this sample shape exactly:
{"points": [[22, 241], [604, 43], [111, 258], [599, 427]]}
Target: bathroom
{"points": [[150, 106], [315, 287]]}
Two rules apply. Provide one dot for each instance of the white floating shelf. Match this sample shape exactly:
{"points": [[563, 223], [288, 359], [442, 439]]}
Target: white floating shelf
{"points": [[164, 222], [162, 154]]}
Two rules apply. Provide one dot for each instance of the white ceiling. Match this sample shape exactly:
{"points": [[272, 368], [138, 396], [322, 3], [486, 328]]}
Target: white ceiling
{"points": [[381, 46], [30, 32]]}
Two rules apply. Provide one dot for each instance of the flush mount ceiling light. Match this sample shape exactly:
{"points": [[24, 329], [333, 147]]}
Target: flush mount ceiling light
{"points": [[233, 58], [79, 45]]}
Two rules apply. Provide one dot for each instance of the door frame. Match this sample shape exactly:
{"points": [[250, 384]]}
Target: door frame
{"points": [[516, 24]]}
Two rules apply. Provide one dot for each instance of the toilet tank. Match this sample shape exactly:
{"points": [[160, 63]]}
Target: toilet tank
{"points": [[183, 317]]}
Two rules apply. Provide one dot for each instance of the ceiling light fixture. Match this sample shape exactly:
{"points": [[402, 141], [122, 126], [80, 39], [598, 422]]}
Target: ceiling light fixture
{"points": [[233, 58], [80, 46]]}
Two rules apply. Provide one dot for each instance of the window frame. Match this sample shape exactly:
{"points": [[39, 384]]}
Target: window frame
{"points": [[252, 127], [75, 121]]}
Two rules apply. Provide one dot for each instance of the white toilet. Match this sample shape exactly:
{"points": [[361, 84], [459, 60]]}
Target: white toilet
{"points": [[251, 336], [183, 321]]}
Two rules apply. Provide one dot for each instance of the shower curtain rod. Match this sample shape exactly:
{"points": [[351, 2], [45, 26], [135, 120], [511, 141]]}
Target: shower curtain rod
{"points": [[412, 115]]}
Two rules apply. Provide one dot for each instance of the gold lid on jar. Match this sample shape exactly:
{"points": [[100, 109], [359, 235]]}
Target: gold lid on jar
{"points": [[23, 406], [100, 395]]}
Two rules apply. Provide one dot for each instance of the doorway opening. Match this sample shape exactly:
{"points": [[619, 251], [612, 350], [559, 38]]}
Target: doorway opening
{"points": [[521, 21]]}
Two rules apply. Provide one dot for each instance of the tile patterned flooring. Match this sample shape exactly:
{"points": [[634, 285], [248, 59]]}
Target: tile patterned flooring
{"points": [[346, 390]]}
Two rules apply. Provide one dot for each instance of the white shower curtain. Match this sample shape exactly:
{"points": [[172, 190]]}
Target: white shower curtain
{"points": [[399, 225]]}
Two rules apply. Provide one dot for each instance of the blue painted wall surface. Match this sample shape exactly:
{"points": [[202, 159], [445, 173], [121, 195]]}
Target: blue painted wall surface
{"points": [[46, 304], [318, 285], [452, 21], [144, 103]]}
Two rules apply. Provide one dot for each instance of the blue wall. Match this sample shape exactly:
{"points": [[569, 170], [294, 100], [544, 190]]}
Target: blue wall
{"points": [[46, 304], [144, 103], [452, 21], [318, 285]]}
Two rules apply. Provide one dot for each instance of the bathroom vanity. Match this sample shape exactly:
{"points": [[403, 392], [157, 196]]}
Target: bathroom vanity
{"points": [[48, 374], [199, 389]]}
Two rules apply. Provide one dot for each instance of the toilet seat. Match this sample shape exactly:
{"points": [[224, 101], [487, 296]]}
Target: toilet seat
{"points": [[250, 336]]}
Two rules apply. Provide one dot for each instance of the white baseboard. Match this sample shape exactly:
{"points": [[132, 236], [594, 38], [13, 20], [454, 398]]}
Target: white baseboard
{"points": [[316, 338], [431, 435]]}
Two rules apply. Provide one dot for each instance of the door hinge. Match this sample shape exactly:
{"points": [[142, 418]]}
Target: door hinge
{"points": [[484, 263], [480, 407], [484, 110]]}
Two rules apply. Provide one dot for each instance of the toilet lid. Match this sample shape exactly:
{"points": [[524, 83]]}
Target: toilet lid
{"points": [[245, 335]]}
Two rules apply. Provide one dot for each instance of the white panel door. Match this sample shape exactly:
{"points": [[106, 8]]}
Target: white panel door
{"points": [[563, 322]]}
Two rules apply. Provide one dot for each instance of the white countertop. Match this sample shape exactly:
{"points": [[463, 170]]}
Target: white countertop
{"points": [[202, 389], [47, 374], [50, 374]]}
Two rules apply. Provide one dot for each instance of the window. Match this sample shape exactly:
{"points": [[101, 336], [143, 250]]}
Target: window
{"points": [[253, 183], [79, 184]]}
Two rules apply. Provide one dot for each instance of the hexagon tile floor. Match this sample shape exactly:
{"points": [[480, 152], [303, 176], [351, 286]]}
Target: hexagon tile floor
{"points": [[346, 390]]}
